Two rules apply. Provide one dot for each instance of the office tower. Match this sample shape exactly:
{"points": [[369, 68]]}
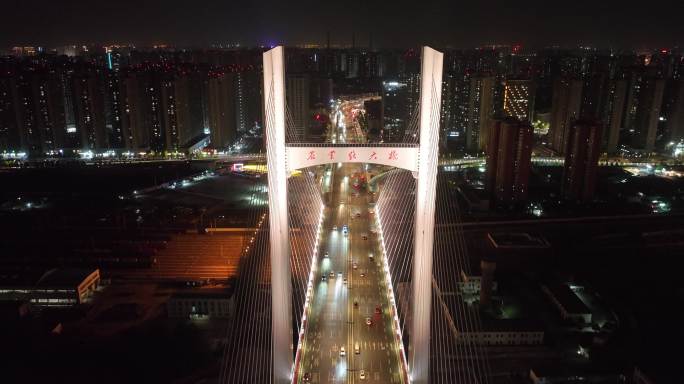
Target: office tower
{"points": [[519, 99], [565, 109], [221, 109], [374, 119], [581, 160], [613, 113], [643, 110], [508, 161], [480, 110], [89, 109], [298, 102]]}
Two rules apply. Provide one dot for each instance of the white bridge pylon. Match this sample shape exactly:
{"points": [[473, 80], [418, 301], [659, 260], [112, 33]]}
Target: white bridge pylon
{"points": [[282, 159]]}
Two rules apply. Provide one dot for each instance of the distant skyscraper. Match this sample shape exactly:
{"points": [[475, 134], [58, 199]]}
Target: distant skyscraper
{"points": [[113, 109], [221, 102], [581, 160], [643, 110], [565, 109], [135, 133], [169, 109], [508, 161], [612, 117], [675, 119], [455, 111], [480, 110], [352, 64], [31, 111], [73, 137], [247, 99], [189, 101], [374, 119], [298, 88], [89, 109], [396, 98], [9, 130], [149, 112], [519, 99]]}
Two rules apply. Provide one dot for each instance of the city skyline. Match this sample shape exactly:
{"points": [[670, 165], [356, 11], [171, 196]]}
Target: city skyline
{"points": [[229, 192]]}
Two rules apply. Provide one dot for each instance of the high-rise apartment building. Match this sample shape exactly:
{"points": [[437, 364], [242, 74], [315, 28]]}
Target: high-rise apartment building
{"points": [[509, 154], [189, 101], [613, 113], [9, 129], [565, 109], [221, 103], [519, 99], [135, 134], [89, 109], [480, 111], [644, 101], [297, 89], [169, 110], [581, 160], [248, 87], [113, 109], [31, 111], [374, 119], [675, 118]]}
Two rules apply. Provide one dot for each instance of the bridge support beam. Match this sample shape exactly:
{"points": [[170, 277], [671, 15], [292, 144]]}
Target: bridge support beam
{"points": [[430, 103], [281, 289]]}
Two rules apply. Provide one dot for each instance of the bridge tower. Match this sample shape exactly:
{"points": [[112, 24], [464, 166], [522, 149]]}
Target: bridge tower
{"points": [[421, 160]]}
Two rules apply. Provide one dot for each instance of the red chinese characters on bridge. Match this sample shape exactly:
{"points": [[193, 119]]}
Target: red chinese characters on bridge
{"points": [[352, 155]]}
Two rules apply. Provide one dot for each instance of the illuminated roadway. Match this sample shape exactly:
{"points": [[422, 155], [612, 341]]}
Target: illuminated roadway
{"points": [[333, 321]]}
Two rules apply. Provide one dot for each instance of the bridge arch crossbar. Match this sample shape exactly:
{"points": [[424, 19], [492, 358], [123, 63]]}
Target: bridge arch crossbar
{"points": [[400, 157]]}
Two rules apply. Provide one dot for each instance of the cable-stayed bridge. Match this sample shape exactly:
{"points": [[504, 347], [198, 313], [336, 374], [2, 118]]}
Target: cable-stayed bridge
{"points": [[344, 285]]}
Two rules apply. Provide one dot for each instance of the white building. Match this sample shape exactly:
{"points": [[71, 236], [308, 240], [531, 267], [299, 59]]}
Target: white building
{"points": [[201, 304]]}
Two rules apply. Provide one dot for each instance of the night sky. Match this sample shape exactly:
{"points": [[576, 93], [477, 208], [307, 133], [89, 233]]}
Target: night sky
{"points": [[455, 23]]}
